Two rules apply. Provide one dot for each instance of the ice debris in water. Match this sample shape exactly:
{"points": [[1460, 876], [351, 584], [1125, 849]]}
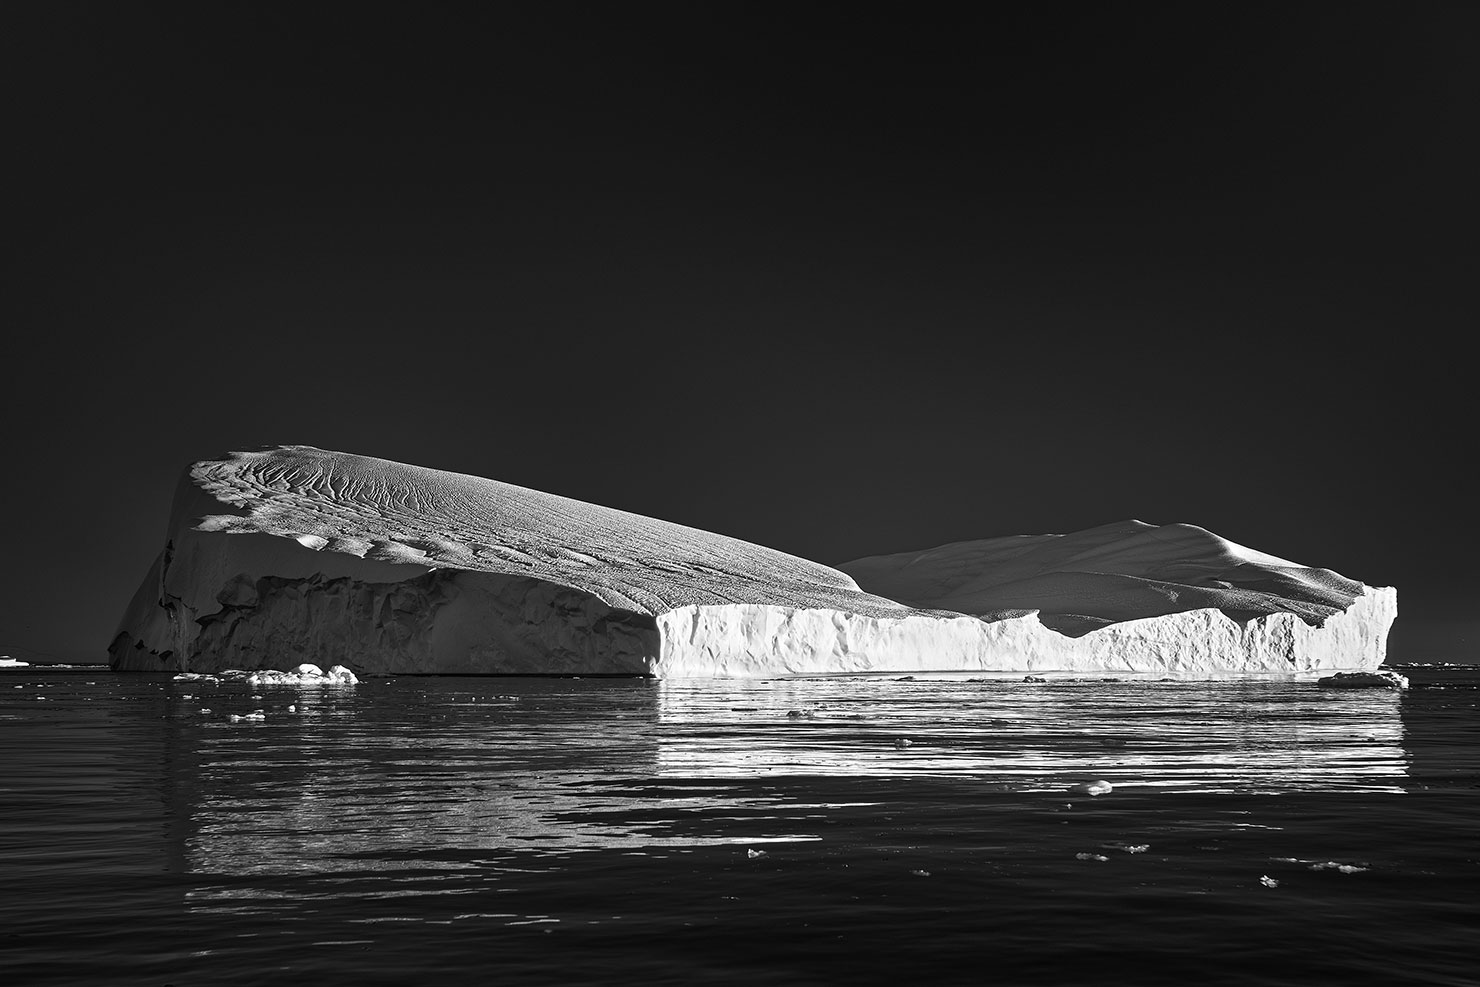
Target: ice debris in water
{"points": [[1091, 856], [256, 716], [1097, 787], [1333, 865], [304, 674], [1324, 865], [1381, 679], [1268, 881]]}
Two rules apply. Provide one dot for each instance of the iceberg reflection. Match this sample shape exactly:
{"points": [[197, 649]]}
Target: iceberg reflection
{"points": [[440, 777], [1232, 736]]}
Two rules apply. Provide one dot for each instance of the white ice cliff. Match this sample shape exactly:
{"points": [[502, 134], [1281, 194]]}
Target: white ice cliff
{"points": [[299, 555]]}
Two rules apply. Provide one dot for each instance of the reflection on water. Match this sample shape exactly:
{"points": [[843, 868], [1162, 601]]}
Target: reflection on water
{"points": [[783, 832], [1206, 737], [374, 778]]}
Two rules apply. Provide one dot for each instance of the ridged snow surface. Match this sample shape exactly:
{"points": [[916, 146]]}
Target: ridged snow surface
{"points": [[299, 555]]}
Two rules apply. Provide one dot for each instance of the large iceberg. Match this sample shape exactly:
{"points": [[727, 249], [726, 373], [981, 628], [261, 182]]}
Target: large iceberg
{"points": [[297, 555]]}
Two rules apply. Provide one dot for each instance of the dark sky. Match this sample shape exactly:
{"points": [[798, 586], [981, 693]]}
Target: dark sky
{"points": [[842, 282]]}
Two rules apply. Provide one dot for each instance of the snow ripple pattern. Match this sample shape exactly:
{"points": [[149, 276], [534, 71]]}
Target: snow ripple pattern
{"points": [[392, 512]]}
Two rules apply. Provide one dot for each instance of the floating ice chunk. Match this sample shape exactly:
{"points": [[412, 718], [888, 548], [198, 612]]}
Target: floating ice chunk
{"points": [[1091, 856], [13, 663], [304, 674], [1268, 881], [256, 716], [1380, 679], [1097, 787], [1128, 847], [1333, 865]]}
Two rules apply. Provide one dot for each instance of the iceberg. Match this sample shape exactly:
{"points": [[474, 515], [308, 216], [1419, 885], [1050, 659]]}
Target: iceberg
{"points": [[295, 555]]}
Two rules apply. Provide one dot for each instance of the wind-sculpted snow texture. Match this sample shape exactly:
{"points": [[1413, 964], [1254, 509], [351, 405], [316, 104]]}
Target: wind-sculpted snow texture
{"points": [[299, 555], [1117, 572]]}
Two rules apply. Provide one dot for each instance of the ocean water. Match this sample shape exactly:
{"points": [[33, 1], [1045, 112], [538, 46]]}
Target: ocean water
{"points": [[846, 831]]}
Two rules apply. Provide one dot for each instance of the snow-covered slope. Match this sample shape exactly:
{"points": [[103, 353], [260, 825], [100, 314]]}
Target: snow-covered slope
{"points": [[1116, 572], [297, 554]]}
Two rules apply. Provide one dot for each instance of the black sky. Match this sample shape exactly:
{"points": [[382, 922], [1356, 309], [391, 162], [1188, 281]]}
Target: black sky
{"points": [[842, 282]]}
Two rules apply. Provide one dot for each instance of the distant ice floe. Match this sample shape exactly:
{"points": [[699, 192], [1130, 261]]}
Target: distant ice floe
{"points": [[1381, 679], [13, 663]]}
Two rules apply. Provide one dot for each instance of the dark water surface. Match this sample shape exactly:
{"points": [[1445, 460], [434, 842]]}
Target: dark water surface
{"points": [[593, 831]]}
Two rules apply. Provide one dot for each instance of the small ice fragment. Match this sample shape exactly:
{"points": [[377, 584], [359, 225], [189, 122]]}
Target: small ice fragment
{"points": [[903, 742], [205, 711], [920, 873], [752, 854], [1097, 787], [292, 709], [1381, 679], [1333, 865], [1090, 856], [800, 713], [1269, 882]]}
